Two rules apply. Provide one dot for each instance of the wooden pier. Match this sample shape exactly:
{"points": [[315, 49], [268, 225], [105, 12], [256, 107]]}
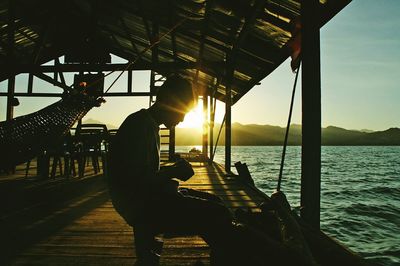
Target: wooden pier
{"points": [[85, 229]]}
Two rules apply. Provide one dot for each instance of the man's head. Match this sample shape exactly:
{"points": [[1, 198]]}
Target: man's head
{"points": [[175, 98]]}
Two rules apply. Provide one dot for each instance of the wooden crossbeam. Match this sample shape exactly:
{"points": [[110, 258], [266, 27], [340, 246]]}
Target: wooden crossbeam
{"points": [[27, 68], [52, 81], [56, 94]]}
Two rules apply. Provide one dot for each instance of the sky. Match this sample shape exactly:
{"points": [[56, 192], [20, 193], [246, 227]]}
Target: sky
{"points": [[360, 81]]}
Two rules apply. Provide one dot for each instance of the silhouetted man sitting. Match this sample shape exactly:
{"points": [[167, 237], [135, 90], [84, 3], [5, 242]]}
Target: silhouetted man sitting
{"points": [[147, 197]]}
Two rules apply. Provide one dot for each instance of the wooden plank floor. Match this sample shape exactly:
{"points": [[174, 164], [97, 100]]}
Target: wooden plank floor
{"points": [[88, 231]]}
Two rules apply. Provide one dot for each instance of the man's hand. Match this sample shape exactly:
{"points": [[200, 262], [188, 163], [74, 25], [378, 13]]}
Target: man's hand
{"points": [[183, 170]]}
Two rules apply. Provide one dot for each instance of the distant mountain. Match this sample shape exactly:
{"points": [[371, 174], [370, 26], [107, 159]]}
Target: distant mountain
{"points": [[273, 135], [93, 121], [366, 130]]}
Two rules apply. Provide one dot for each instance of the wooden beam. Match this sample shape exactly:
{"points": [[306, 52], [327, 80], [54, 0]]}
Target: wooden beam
{"points": [[28, 68], [172, 21], [203, 38], [57, 63], [52, 81], [174, 50], [205, 123], [40, 44], [211, 127], [171, 148], [10, 98], [57, 94], [129, 81], [153, 36], [311, 114], [30, 83], [10, 58], [330, 9], [257, 8], [228, 116], [154, 39]]}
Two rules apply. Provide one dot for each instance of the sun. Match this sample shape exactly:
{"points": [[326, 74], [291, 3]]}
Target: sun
{"points": [[195, 118]]}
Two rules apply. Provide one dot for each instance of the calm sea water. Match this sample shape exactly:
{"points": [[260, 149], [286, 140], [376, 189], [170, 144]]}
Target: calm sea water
{"points": [[360, 197]]}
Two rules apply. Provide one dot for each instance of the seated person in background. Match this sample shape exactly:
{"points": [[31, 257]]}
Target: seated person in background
{"points": [[148, 197]]}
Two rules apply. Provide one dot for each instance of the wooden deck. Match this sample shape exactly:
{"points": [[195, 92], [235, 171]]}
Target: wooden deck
{"points": [[86, 230]]}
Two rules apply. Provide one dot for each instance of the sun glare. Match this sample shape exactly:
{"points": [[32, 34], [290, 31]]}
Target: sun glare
{"points": [[194, 119]]}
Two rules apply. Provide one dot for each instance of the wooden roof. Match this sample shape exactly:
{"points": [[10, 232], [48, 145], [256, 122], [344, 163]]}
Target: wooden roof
{"points": [[203, 39]]}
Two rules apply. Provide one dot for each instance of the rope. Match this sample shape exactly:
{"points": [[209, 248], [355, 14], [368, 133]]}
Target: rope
{"points": [[278, 188], [216, 143]]}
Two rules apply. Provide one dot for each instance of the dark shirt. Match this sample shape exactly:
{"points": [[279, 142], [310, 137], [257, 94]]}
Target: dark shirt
{"points": [[133, 163]]}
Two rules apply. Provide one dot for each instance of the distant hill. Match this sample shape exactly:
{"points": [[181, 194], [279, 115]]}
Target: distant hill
{"points": [[93, 121], [273, 135], [258, 135]]}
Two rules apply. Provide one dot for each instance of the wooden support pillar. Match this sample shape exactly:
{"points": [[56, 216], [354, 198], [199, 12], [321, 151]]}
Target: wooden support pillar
{"points": [[311, 114], [205, 124], [11, 63], [171, 148], [152, 87], [129, 81], [228, 117], [30, 83], [60, 73], [55, 75], [10, 97], [228, 128], [211, 127]]}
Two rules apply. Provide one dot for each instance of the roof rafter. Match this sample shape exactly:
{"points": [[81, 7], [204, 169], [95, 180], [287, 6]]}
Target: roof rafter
{"points": [[130, 38], [52, 81], [173, 35], [203, 37]]}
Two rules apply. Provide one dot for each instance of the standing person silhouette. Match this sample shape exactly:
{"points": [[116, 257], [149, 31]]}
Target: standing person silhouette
{"points": [[147, 196]]}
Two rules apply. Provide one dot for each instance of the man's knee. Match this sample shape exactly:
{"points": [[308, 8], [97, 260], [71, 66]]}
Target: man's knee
{"points": [[219, 213]]}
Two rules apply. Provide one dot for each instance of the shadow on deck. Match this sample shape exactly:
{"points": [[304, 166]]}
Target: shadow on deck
{"points": [[74, 222]]}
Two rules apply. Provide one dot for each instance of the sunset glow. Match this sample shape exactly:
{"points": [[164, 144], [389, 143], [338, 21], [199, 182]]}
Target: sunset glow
{"points": [[195, 118]]}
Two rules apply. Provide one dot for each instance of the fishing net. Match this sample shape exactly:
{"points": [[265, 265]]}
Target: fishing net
{"points": [[24, 137]]}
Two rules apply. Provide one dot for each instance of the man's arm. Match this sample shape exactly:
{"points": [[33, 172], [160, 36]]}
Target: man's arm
{"points": [[181, 170]]}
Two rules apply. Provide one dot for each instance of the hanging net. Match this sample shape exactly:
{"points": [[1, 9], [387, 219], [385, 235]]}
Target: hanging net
{"points": [[24, 137]]}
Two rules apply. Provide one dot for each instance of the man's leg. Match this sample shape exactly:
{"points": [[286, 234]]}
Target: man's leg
{"points": [[187, 215], [199, 194]]}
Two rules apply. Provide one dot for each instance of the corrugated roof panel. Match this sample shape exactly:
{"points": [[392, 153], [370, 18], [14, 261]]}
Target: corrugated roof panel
{"points": [[241, 76], [136, 27], [190, 9], [267, 30], [288, 8], [187, 47], [212, 54]]}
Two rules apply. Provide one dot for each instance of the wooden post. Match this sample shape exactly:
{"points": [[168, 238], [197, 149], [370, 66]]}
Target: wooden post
{"points": [[30, 83], [228, 117], [171, 148], [11, 63], [10, 97], [211, 128], [205, 124], [311, 114], [129, 81]]}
